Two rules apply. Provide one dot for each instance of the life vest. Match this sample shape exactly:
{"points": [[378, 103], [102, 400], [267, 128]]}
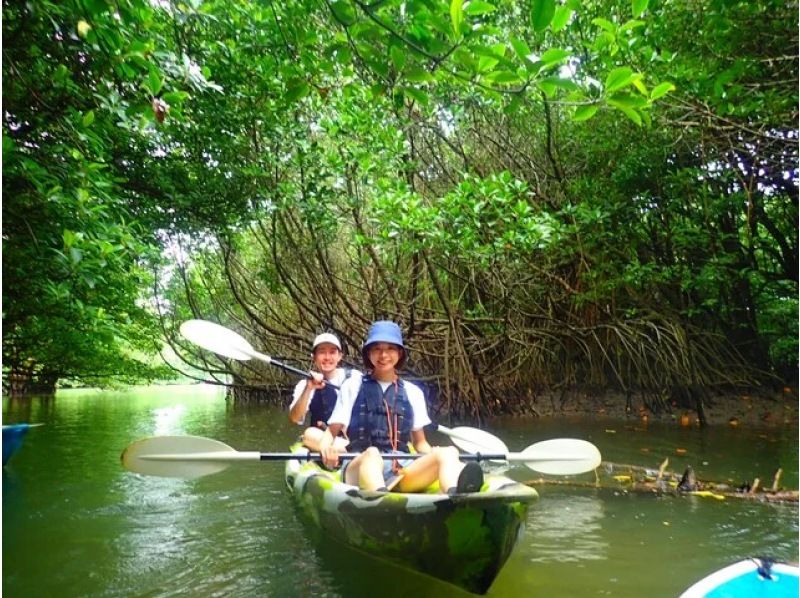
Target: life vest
{"points": [[372, 413], [322, 403]]}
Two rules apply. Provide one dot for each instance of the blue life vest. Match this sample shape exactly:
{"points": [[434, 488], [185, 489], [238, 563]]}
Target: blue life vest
{"points": [[322, 403], [369, 425]]}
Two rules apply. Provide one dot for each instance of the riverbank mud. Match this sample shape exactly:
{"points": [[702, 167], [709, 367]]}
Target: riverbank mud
{"points": [[761, 408]]}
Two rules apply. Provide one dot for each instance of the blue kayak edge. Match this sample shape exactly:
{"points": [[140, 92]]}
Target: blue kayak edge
{"points": [[751, 577], [12, 439]]}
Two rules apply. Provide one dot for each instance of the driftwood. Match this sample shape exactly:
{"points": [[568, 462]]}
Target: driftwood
{"points": [[635, 478]]}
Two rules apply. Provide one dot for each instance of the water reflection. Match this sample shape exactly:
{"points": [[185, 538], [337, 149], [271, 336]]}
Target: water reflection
{"points": [[168, 420], [566, 528], [71, 510]]}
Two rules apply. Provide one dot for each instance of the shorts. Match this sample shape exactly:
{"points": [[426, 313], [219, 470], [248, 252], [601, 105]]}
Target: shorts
{"points": [[387, 467]]}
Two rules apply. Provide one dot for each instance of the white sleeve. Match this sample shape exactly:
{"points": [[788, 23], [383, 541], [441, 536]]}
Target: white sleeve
{"points": [[417, 400], [298, 390], [346, 400]]}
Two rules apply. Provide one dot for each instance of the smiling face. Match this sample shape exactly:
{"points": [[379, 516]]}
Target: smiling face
{"points": [[327, 357], [384, 358]]}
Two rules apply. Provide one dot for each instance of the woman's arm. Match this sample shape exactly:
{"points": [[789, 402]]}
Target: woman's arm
{"points": [[420, 442], [298, 410]]}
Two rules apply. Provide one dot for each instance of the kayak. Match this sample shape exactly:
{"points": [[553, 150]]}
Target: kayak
{"points": [[462, 539], [752, 577], [12, 439]]}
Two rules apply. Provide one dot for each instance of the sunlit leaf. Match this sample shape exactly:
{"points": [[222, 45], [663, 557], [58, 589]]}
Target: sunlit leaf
{"points": [[619, 78], [457, 16], [542, 12], [638, 7], [584, 112], [662, 89], [478, 7], [561, 17]]}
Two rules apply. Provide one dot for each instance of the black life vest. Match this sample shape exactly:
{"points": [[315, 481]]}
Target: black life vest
{"points": [[369, 420], [322, 403]]}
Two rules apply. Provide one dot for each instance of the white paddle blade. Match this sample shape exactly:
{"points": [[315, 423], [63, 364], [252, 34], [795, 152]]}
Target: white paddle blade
{"points": [[146, 456], [473, 440], [560, 456], [217, 339]]}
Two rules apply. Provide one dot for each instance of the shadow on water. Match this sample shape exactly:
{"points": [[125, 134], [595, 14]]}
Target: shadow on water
{"points": [[354, 574]]}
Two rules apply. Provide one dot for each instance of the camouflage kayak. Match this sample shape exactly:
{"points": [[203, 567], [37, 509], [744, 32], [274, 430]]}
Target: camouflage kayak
{"points": [[464, 539]]}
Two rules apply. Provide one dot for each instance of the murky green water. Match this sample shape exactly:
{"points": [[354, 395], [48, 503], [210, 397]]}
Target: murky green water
{"points": [[76, 524]]}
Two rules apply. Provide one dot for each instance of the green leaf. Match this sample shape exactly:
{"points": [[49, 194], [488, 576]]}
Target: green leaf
{"points": [[174, 98], [584, 112], [95, 7], [554, 56], [457, 16], [619, 78], [503, 78], [154, 80], [625, 100], [296, 89], [631, 113], [514, 105], [398, 57], [87, 119], [605, 24], [486, 63], [417, 94], [344, 11], [551, 84], [478, 7], [418, 74], [662, 89], [521, 48], [630, 25], [561, 17], [638, 7], [8, 147], [542, 12]]}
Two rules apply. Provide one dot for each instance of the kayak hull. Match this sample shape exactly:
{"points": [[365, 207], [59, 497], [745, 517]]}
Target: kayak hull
{"points": [[752, 577], [464, 539]]}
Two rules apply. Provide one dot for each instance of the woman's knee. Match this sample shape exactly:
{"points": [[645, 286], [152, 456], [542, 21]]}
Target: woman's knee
{"points": [[445, 454], [312, 437], [372, 454]]}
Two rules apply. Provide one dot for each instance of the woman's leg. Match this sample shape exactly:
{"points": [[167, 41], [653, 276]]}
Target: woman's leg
{"points": [[312, 437], [366, 470], [441, 463]]}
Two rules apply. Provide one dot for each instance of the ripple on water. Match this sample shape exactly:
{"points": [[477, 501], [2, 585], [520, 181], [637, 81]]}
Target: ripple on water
{"points": [[566, 528]]}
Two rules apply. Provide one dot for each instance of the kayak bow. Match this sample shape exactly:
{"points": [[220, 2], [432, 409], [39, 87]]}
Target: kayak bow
{"points": [[461, 539]]}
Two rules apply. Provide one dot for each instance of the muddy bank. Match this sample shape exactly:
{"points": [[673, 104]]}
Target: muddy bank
{"points": [[753, 408]]}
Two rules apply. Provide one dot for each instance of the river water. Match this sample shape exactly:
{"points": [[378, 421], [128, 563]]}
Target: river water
{"points": [[75, 523]]}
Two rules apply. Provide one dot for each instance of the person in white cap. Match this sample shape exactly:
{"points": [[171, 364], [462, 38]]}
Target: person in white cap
{"points": [[316, 397]]}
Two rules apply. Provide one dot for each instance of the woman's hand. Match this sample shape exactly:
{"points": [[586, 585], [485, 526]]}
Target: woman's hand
{"points": [[327, 450]]}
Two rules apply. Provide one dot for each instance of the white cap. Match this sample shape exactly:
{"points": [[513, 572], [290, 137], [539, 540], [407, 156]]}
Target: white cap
{"points": [[326, 337]]}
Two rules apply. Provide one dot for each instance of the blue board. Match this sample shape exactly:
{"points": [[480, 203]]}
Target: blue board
{"points": [[751, 578], [12, 439]]}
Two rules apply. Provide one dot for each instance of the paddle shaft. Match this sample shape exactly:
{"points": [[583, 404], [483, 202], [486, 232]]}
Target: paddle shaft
{"points": [[256, 456], [283, 366]]}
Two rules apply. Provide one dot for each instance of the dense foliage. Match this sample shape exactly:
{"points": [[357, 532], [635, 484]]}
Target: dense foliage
{"points": [[547, 195]]}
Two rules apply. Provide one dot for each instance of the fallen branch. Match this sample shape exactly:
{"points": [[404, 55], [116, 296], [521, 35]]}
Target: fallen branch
{"points": [[659, 481]]}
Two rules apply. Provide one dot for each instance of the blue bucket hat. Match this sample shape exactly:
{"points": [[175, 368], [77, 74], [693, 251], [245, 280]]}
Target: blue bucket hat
{"points": [[383, 331]]}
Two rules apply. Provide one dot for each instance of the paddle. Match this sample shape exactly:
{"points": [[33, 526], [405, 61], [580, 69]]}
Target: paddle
{"points": [[224, 341], [195, 456], [473, 440]]}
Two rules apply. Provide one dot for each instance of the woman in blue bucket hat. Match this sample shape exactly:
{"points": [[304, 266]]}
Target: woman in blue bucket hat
{"points": [[383, 413]]}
